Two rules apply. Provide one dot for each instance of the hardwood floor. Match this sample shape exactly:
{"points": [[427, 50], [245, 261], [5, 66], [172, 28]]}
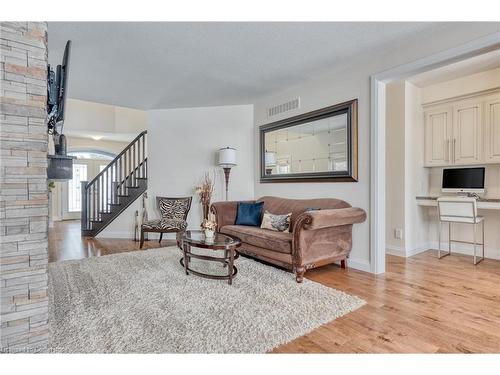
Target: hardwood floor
{"points": [[66, 242], [420, 305]]}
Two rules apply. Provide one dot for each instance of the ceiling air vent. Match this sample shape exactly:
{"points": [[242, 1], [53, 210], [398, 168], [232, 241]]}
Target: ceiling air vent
{"points": [[284, 107]]}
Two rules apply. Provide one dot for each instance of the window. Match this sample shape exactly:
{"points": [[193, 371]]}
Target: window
{"points": [[74, 187]]}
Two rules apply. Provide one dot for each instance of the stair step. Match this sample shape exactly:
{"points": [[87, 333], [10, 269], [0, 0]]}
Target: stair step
{"points": [[96, 221], [123, 196], [114, 204]]}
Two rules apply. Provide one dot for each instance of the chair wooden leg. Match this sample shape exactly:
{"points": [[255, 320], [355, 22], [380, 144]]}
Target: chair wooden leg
{"points": [[142, 239], [161, 236], [343, 263]]}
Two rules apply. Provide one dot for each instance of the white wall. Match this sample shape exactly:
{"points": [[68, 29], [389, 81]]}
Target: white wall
{"points": [[395, 165], [461, 86], [183, 145], [416, 176], [338, 86], [406, 176], [84, 118]]}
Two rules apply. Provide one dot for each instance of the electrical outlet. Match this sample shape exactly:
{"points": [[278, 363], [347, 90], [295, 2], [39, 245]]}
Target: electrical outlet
{"points": [[398, 233]]}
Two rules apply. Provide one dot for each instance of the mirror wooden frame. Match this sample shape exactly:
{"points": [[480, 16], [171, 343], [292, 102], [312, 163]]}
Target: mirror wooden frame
{"points": [[351, 175]]}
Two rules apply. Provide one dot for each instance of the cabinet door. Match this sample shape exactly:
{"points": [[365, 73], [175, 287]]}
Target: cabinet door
{"points": [[437, 137], [492, 139], [467, 140]]}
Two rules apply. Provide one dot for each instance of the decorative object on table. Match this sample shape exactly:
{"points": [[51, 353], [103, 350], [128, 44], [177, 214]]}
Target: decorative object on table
{"points": [[278, 223], [173, 213], [321, 145], [196, 238], [227, 160], [136, 225], [144, 213], [209, 226], [249, 214], [270, 161], [205, 191]]}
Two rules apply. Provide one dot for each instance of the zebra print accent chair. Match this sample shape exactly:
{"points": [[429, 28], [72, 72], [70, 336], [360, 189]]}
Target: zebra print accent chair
{"points": [[173, 215]]}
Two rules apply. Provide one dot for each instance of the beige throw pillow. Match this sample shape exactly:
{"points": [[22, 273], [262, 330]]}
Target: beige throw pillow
{"points": [[278, 223]]}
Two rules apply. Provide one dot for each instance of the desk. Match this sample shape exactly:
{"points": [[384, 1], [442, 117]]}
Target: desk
{"points": [[482, 203]]}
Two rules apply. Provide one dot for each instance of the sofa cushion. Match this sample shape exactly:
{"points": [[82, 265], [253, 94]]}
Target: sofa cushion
{"points": [[277, 241], [249, 214]]}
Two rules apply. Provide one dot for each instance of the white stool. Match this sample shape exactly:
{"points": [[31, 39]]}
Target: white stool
{"points": [[459, 210]]}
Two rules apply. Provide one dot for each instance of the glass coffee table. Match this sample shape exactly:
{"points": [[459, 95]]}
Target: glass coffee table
{"points": [[196, 238]]}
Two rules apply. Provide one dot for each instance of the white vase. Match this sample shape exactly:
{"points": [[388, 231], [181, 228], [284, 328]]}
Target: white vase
{"points": [[209, 233]]}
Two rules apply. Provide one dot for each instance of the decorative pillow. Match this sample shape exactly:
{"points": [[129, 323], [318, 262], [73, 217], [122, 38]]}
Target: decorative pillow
{"points": [[309, 209], [249, 214], [278, 223]]}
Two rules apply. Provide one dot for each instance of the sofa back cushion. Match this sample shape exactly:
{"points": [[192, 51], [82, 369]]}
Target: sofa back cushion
{"points": [[283, 206]]}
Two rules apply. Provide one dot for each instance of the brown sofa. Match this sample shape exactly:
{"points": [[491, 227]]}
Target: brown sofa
{"points": [[317, 237]]}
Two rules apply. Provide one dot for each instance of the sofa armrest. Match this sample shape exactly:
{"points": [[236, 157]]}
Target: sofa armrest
{"points": [[323, 234], [225, 212], [313, 220]]}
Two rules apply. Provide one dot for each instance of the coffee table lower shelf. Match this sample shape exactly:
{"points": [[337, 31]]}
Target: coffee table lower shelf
{"points": [[225, 261]]}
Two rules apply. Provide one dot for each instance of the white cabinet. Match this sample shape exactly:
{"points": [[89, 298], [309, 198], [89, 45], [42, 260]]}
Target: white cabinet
{"points": [[492, 130], [437, 137], [455, 133], [467, 139]]}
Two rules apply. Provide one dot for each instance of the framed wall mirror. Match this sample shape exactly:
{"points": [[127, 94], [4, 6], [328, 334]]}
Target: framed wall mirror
{"points": [[317, 146]]}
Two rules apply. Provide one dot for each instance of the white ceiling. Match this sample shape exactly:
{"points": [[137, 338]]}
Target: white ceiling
{"points": [[168, 65], [476, 64]]}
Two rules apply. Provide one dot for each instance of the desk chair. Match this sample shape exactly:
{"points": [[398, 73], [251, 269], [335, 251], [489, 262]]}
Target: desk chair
{"points": [[459, 210]]}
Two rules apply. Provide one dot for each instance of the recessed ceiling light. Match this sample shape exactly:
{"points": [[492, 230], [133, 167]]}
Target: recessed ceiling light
{"points": [[97, 137]]}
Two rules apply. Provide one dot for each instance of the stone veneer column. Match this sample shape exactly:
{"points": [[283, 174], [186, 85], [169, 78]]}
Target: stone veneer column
{"points": [[23, 187]]}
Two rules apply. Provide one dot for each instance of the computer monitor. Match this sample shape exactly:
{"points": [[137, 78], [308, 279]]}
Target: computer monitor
{"points": [[463, 180]]}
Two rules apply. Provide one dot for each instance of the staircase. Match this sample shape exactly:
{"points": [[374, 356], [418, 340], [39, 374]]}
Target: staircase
{"points": [[115, 188]]}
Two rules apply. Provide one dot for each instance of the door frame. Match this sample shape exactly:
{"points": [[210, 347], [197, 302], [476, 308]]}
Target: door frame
{"points": [[378, 82]]}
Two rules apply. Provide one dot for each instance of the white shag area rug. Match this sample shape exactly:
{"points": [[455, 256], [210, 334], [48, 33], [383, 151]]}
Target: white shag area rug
{"points": [[143, 302]]}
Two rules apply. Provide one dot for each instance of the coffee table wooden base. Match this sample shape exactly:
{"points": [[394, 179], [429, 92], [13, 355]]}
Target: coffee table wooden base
{"points": [[228, 261], [210, 276], [228, 244]]}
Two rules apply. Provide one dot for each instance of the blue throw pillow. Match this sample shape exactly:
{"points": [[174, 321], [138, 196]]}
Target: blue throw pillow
{"points": [[249, 214]]}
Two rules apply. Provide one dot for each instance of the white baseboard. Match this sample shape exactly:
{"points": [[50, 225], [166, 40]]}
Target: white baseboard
{"points": [[466, 249], [359, 264], [124, 234], [395, 250], [459, 248], [402, 252]]}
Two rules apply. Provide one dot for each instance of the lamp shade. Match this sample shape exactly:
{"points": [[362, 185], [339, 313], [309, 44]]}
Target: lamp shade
{"points": [[227, 157], [270, 159]]}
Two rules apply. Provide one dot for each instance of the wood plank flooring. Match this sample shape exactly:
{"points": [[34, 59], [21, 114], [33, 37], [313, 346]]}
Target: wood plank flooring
{"points": [[420, 305]]}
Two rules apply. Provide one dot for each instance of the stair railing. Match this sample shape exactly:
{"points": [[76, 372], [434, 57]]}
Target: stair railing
{"points": [[112, 182]]}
